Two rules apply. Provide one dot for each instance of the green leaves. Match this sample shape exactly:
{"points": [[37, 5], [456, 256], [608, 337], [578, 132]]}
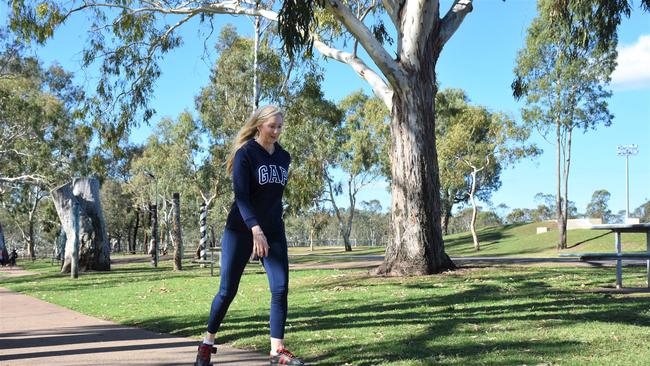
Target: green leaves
{"points": [[364, 135], [564, 70], [598, 206], [309, 137], [295, 22], [40, 133], [468, 134]]}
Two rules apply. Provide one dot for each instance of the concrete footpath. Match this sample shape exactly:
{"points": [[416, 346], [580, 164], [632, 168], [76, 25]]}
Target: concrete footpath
{"points": [[34, 332]]}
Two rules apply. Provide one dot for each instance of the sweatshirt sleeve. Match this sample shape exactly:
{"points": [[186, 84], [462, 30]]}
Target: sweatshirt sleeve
{"points": [[241, 178]]}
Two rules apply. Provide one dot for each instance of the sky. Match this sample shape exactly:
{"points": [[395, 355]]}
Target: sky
{"points": [[479, 58]]}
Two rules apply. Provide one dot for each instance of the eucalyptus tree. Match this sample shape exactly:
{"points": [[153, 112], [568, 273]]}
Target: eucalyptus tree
{"points": [[130, 38], [598, 206], [119, 212], [642, 212], [563, 75], [546, 208], [374, 223], [474, 145], [168, 165], [43, 140], [142, 31], [450, 106], [357, 150], [481, 143], [519, 216], [118, 164]]}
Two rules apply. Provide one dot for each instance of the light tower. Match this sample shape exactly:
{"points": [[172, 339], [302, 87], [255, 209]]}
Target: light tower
{"points": [[627, 150]]}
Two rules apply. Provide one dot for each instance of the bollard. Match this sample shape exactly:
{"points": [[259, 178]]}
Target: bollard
{"points": [[74, 271]]}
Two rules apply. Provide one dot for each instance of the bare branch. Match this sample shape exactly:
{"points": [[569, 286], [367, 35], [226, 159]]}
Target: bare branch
{"points": [[382, 90], [362, 17], [14, 151], [392, 8], [234, 7], [376, 51], [34, 178], [453, 19]]}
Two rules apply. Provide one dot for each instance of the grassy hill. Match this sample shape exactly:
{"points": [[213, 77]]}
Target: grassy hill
{"points": [[521, 240]]}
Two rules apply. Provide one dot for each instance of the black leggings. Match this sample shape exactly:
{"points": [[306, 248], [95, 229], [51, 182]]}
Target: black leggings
{"points": [[236, 249]]}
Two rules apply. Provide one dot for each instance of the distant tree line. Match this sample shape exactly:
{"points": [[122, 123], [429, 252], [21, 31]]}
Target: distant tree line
{"points": [[597, 208]]}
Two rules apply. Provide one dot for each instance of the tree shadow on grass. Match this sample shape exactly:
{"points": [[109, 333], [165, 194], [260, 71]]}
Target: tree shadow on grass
{"points": [[588, 240], [487, 235], [431, 322], [434, 316]]}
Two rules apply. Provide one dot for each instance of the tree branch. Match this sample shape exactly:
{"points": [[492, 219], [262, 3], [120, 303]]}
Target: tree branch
{"points": [[35, 178], [362, 17], [392, 8], [375, 50], [417, 18], [234, 7], [16, 152], [453, 19], [382, 90]]}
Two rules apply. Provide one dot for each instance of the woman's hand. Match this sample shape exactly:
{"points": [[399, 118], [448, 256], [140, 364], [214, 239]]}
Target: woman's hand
{"points": [[260, 246]]}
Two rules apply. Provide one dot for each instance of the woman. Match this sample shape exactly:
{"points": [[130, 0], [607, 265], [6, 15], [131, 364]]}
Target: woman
{"points": [[259, 168]]}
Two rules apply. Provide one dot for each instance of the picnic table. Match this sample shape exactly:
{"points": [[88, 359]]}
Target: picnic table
{"points": [[618, 255], [215, 255]]}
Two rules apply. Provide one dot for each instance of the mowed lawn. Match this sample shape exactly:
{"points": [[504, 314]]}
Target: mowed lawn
{"points": [[503, 315], [521, 240], [518, 240]]}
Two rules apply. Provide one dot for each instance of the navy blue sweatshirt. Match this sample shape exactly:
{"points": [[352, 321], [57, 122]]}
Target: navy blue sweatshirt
{"points": [[258, 179]]}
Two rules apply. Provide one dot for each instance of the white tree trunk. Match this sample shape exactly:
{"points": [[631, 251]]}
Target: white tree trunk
{"points": [[416, 246], [256, 47], [565, 203], [561, 215], [472, 225], [94, 247]]}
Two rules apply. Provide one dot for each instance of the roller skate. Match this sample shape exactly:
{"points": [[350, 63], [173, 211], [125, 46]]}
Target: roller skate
{"points": [[204, 354], [284, 357]]}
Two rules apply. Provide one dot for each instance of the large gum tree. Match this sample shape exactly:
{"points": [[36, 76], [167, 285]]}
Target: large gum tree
{"points": [[130, 37]]}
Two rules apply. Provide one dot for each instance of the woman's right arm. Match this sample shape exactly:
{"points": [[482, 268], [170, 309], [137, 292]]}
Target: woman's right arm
{"points": [[241, 178]]}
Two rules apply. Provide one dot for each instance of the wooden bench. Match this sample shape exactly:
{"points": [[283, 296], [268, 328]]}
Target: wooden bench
{"points": [[619, 256]]}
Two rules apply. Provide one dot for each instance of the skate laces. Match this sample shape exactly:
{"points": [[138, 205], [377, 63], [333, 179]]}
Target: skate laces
{"points": [[284, 351]]}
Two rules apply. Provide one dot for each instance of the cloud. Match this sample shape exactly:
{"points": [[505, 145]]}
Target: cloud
{"points": [[633, 70]]}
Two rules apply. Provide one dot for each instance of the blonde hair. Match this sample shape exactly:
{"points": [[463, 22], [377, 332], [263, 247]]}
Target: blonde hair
{"points": [[249, 130]]}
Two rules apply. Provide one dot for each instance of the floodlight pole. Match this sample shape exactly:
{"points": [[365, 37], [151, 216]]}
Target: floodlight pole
{"points": [[627, 150]]}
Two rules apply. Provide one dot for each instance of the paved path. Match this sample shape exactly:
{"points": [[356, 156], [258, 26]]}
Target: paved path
{"points": [[34, 332]]}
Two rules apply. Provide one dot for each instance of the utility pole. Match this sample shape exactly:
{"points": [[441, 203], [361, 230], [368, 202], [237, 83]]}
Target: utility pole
{"points": [[627, 151]]}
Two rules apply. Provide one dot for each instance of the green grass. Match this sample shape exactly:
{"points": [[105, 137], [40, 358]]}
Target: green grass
{"points": [[505, 315], [522, 241], [519, 240]]}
